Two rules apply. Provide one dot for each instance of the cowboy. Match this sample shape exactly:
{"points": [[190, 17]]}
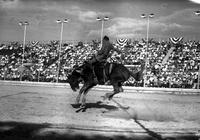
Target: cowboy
{"points": [[103, 54]]}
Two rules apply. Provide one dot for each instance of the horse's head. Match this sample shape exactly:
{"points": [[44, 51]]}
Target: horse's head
{"points": [[74, 79], [83, 72]]}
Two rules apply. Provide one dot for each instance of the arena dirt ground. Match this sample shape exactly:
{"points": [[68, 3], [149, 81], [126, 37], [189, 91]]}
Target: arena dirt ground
{"points": [[46, 112]]}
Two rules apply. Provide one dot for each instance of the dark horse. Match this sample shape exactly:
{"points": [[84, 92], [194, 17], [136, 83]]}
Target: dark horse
{"points": [[117, 74]]}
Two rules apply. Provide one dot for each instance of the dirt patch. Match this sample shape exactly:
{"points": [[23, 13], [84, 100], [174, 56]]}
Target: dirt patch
{"points": [[136, 114], [41, 108]]}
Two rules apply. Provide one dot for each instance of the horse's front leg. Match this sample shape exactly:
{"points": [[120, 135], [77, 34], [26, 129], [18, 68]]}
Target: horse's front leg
{"points": [[79, 95], [87, 88]]}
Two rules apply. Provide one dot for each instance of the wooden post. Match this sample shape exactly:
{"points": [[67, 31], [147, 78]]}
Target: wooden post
{"points": [[198, 78]]}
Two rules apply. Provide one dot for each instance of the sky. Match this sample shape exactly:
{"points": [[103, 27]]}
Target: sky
{"points": [[173, 18]]}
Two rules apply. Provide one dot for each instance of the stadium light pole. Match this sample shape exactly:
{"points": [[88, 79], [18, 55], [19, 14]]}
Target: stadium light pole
{"points": [[25, 23], [61, 36], [197, 13], [147, 43], [102, 25]]}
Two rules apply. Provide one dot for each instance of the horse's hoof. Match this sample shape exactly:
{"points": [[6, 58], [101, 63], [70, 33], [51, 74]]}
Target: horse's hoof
{"points": [[108, 94], [121, 90], [104, 98], [125, 107], [83, 106], [109, 98]]}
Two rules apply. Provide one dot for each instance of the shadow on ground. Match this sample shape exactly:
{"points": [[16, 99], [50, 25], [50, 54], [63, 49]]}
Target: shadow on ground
{"points": [[94, 105], [32, 131]]}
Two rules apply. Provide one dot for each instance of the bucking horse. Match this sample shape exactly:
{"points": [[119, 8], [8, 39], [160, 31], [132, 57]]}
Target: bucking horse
{"points": [[115, 73]]}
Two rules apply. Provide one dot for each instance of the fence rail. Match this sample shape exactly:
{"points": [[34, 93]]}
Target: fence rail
{"points": [[139, 90]]}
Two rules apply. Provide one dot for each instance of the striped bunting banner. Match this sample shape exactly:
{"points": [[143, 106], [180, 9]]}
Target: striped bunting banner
{"points": [[34, 43], [176, 40], [122, 42]]}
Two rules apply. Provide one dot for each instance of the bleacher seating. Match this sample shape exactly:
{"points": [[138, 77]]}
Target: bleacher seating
{"points": [[179, 71]]}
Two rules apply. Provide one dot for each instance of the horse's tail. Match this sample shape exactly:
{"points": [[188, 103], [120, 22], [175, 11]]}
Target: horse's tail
{"points": [[139, 74]]}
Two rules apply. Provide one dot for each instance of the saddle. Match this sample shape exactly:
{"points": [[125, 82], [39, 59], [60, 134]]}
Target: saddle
{"points": [[100, 72], [98, 67]]}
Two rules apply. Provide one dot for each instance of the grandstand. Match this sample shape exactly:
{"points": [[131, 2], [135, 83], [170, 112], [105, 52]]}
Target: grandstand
{"points": [[167, 67]]}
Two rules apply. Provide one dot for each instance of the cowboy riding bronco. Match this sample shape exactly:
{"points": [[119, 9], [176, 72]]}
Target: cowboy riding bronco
{"points": [[101, 57]]}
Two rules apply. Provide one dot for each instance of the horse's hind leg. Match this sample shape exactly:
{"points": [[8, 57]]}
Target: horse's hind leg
{"points": [[121, 89], [116, 88]]}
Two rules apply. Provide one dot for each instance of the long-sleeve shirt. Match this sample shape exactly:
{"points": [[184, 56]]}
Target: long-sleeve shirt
{"points": [[106, 48]]}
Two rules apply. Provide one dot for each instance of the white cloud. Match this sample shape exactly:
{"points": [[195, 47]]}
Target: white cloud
{"points": [[181, 16], [85, 15], [9, 3], [171, 26], [178, 22], [195, 1], [125, 27], [88, 16]]}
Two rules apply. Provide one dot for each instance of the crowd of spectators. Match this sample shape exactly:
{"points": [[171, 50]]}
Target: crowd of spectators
{"points": [[41, 61]]}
